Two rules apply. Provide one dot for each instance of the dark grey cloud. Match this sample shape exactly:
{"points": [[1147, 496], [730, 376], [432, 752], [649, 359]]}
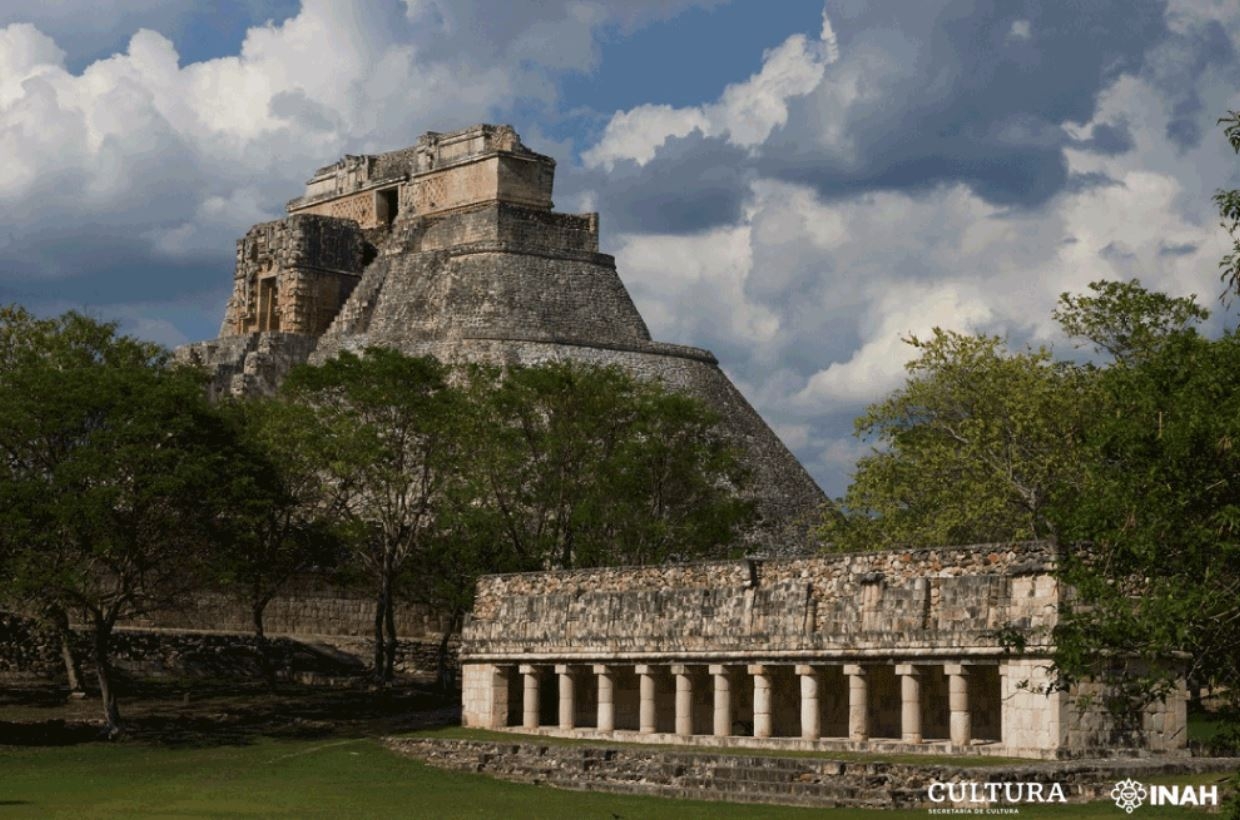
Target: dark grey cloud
{"points": [[1181, 249], [1175, 68], [963, 92], [1106, 138], [694, 183]]}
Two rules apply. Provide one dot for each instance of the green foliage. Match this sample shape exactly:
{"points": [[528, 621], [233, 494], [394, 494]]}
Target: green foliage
{"points": [[115, 470], [977, 446], [382, 431], [587, 466], [1131, 466], [1161, 509], [1126, 320], [115, 463], [1228, 202], [284, 523]]}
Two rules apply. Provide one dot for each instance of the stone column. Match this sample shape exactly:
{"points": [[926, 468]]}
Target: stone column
{"points": [[761, 700], [723, 700], [529, 712], [499, 696], [958, 702], [646, 720], [910, 702], [858, 708], [606, 698], [568, 704], [811, 713], [684, 699]]}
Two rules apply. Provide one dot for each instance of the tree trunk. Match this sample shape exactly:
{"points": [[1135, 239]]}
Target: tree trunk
{"points": [[445, 676], [389, 644], [380, 613], [263, 645], [103, 667], [73, 669]]}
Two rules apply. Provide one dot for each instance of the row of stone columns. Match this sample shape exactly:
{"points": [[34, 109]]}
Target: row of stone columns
{"points": [[811, 713]]}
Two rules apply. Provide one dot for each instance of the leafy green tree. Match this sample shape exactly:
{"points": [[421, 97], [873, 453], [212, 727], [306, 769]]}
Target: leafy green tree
{"points": [[1159, 586], [117, 470], [1124, 320], [381, 430], [589, 466], [1228, 202], [977, 446], [284, 524]]}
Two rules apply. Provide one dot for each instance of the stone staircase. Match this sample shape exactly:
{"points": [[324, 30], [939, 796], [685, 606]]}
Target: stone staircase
{"points": [[354, 316]]}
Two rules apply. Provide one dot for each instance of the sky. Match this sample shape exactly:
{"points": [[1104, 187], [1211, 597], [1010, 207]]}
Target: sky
{"points": [[796, 186]]}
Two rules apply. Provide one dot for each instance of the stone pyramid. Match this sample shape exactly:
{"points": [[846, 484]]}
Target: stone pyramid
{"points": [[451, 248]]}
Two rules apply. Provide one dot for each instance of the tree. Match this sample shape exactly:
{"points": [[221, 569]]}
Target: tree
{"points": [[1228, 202], [117, 472], [589, 466], [977, 446], [284, 524], [382, 429], [1126, 321], [1129, 464], [1159, 586]]}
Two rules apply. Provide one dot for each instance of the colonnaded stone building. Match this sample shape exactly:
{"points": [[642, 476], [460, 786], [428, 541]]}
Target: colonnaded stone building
{"points": [[887, 651], [451, 248]]}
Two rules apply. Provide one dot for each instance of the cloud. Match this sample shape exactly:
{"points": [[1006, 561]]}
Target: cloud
{"points": [[145, 158], [744, 115]]}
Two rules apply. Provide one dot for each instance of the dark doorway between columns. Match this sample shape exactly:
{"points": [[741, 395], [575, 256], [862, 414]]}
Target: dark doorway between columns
{"points": [[883, 701], [785, 701], [935, 707], [585, 698], [627, 696], [548, 697], [833, 701], [985, 702], [516, 697]]}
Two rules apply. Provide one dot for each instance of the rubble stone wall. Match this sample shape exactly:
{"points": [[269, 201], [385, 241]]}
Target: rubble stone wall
{"points": [[30, 651], [954, 600], [802, 781], [308, 606]]}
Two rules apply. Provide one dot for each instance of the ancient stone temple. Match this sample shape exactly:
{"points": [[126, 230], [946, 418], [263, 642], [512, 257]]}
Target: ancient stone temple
{"points": [[451, 248], [881, 651]]}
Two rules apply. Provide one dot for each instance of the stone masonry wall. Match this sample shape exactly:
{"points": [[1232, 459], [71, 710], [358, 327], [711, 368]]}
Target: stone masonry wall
{"points": [[522, 228], [307, 606], [251, 365], [29, 651], [955, 601], [800, 781], [293, 275]]}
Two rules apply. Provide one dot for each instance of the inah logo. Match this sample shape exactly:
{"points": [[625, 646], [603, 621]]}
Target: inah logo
{"points": [[1128, 794]]}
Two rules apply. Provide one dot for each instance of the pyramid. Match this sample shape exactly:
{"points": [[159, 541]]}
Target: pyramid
{"points": [[451, 248]]}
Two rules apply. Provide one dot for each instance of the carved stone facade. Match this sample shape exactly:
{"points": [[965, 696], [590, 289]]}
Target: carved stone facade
{"points": [[883, 651], [293, 275], [450, 248]]}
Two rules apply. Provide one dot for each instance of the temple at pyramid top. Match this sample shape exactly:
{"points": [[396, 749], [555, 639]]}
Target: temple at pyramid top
{"points": [[440, 173]]}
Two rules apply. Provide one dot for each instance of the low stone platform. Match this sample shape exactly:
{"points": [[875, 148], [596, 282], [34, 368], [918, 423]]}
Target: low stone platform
{"points": [[797, 781], [825, 746]]}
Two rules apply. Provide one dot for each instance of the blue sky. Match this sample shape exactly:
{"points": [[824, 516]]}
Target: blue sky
{"points": [[794, 185]]}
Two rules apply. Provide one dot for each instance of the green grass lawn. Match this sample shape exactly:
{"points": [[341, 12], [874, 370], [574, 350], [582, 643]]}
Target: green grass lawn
{"points": [[353, 778]]}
